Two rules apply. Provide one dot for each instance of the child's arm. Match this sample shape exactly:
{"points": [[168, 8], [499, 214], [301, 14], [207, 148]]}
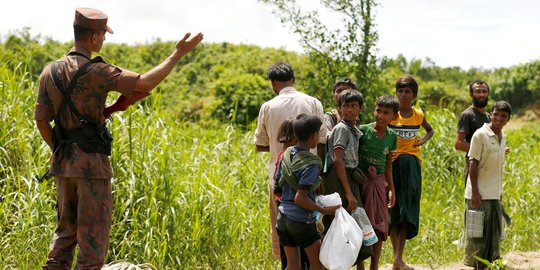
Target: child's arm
{"points": [[123, 102], [301, 199], [429, 133], [389, 180], [342, 176]]}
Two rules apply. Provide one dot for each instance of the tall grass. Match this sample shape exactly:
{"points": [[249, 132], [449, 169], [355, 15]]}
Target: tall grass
{"points": [[185, 196], [188, 196]]}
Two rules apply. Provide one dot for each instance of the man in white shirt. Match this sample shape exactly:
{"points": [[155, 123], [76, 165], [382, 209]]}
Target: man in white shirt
{"points": [[288, 103], [484, 185]]}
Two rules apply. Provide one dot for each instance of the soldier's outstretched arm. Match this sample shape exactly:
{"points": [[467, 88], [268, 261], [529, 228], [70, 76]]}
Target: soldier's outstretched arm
{"points": [[150, 79]]}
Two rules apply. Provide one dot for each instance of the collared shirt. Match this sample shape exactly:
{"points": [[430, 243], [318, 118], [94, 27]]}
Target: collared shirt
{"points": [[373, 150], [407, 130], [470, 120], [289, 103], [490, 153], [89, 97], [346, 137]]}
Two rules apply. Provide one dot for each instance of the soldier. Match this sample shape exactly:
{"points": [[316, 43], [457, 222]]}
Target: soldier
{"points": [[72, 92]]}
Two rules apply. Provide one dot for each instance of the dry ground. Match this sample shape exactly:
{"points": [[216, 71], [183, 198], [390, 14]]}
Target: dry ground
{"points": [[515, 260]]}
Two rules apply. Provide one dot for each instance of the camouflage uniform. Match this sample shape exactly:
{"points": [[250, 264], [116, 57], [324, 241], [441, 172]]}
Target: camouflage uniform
{"points": [[84, 200]]}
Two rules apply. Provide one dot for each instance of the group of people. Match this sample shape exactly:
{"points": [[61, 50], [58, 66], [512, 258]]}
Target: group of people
{"points": [[375, 166], [480, 136]]}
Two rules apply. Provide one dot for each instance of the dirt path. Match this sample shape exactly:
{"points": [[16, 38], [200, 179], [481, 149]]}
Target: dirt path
{"points": [[515, 260]]}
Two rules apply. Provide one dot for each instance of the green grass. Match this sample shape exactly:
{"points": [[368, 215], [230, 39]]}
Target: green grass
{"points": [[193, 196]]}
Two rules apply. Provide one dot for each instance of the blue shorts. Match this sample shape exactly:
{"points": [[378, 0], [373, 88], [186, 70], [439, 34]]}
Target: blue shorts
{"points": [[296, 233]]}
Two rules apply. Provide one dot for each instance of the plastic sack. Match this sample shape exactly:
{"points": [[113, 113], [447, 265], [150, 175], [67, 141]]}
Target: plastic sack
{"points": [[342, 242], [328, 200]]}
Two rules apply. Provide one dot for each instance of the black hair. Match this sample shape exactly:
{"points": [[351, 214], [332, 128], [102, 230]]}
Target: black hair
{"points": [[82, 33], [345, 81], [388, 101], [305, 125], [407, 81], [286, 132], [350, 95], [479, 82], [502, 105], [281, 72]]}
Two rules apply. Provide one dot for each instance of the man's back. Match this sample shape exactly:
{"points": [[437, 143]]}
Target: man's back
{"points": [[88, 96], [289, 103]]}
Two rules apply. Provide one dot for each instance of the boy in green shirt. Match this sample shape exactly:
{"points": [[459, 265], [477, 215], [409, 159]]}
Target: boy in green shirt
{"points": [[375, 160]]}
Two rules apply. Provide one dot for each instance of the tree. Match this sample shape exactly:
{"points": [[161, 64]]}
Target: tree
{"points": [[519, 85], [348, 50]]}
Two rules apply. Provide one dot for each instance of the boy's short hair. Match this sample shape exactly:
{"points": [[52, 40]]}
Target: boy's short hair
{"points": [[280, 71], [388, 101], [345, 81], [479, 82], [286, 132], [502, 105], [350, 95], [407, 81], [305, 125]]}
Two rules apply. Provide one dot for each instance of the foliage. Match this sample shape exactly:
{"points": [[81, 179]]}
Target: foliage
{"points": [[518, 85], [35, 52], [227, 83], [449, 87], [343, 51], [445, 87], [495, 265]]}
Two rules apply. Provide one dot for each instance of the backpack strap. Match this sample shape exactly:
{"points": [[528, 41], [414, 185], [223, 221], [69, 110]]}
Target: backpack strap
{"points": [[334, 120], [66, 93], [91, 137], [300, 161], [327, 159]]}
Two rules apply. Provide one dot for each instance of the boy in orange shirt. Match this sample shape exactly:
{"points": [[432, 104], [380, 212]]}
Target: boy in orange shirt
{"points": [[407, 174]]}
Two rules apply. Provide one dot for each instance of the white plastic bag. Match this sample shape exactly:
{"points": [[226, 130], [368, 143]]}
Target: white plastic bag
{"points": [[328, 200], [341, 243]]}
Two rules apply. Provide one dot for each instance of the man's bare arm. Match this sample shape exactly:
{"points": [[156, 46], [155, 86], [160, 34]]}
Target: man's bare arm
{"points": [[460, 143], [150, 79]]}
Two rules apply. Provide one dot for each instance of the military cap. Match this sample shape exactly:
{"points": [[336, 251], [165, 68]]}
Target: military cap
{"points": [[93, 19]]}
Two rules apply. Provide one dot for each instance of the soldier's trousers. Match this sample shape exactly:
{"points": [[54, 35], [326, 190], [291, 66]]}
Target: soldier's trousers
{"points": [[84, 208]]}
